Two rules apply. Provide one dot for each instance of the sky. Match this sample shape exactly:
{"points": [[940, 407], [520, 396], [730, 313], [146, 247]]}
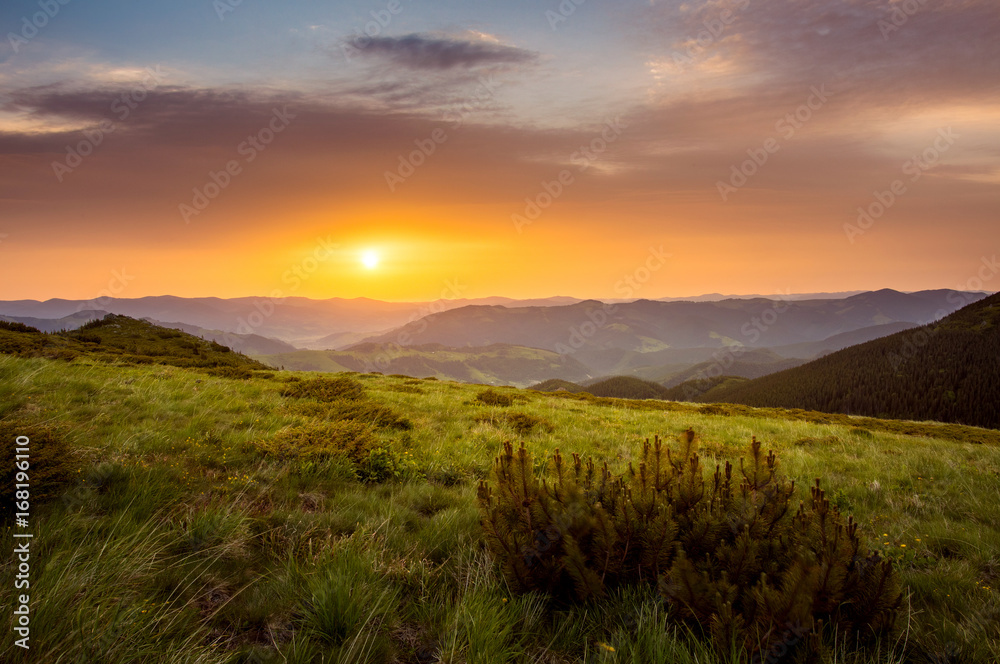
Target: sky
{"points": [[409, 150]]}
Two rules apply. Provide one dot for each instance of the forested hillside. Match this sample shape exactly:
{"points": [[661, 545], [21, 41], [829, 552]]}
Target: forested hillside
{"points": [[948, 371]]}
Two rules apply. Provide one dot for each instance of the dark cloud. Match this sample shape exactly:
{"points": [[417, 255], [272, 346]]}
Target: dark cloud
{"points": [[417, 51]]}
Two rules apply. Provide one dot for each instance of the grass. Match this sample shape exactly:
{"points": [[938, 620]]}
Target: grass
{"points": [[184, 538]]}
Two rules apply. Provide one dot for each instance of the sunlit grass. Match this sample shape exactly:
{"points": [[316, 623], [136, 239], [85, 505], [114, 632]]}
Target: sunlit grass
{"points": [[194, 542]]}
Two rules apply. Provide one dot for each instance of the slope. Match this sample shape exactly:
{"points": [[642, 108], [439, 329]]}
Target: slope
{"points": [[947, 371]]}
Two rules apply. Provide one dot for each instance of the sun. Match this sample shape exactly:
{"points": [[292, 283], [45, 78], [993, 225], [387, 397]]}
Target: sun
{"points": [[369, 259]]}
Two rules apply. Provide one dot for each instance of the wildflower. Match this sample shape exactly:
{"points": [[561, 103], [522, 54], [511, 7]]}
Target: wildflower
{"points": [[606, 646]]}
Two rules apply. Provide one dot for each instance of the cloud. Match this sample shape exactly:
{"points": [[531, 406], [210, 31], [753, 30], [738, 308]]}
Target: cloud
{"points": [[421, 51]]}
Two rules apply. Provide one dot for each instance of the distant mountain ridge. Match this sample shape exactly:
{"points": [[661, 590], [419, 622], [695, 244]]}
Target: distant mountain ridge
{"points": [[298, 321], [646, 326], [664, 342], [496, 364]]}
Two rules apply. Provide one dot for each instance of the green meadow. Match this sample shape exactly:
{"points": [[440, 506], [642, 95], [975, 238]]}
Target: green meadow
{"points": [[185, 517]]}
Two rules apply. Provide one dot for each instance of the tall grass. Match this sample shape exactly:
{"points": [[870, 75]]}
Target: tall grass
{"points": [[196, 546]]}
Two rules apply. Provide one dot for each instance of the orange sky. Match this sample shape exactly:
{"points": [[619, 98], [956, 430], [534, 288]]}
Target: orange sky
{"points": [[646, 127]]}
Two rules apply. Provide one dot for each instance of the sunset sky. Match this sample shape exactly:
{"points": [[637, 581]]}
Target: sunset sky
{"points": [[392, 148]]}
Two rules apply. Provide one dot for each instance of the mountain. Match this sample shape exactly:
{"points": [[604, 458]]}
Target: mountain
{"points": [[591, 330], [496, 364], [248, 344], [299, 321], [627, 387], [70, 322], [813, 349], [557, 385], [705, 389], [752, 363], [715, 297], [125, 340], [947, 371]]}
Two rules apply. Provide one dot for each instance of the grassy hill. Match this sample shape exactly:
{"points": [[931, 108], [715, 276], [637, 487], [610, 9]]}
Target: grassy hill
{"points": [[947, 371], [497, 364], [704, 389], [308, 518], [627, 387], [557, 384], [126, 340], [752, 363]]}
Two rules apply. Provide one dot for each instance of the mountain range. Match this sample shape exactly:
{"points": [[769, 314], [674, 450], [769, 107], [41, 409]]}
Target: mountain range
{"points": [[489, 340]]}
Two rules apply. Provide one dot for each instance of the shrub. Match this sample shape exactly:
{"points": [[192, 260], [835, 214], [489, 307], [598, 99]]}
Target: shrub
{"points": [[374, 414], [491, 397], [383, 465], [522, 423], [51, 465], [12, 326], [325, 389], [729, 554], [322, 441], [236, 373], [369, 412]]}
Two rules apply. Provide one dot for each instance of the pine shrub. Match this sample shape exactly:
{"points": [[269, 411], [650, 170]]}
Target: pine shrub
{"points": [[323, 440], [325, 389], [490, 397], [51, 465], [728, 551]]}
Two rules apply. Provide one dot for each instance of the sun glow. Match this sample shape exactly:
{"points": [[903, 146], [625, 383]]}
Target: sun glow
{"points": [[369, 259]]}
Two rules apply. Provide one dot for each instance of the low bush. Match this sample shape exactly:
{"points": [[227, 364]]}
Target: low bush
{"points": [[377, 415], [325, 389], [491, 397], [49, 468], [522, 423], [383, 465], [322, 441], [730, 555]]}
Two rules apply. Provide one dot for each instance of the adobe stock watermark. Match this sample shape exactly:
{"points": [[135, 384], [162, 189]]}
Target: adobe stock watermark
{"points": [[293, 277], [786, 127], [116, 285], [696, 46], [363, 36], [121, 107], [582, 158], [249, 149], [627, 286], [562, 12], [32, 25], [425, 147], [223, 7], [452, 290], [914, 167], [724, 358], [899, 15]]}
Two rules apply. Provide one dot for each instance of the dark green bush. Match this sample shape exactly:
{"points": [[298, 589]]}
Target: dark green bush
{"points": [[322, 441], [18, 327], [52, 466], [325, 389], [236, 373], [369, 412], [491, 397], [728, 554], [383, 465], [522, 423]]}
